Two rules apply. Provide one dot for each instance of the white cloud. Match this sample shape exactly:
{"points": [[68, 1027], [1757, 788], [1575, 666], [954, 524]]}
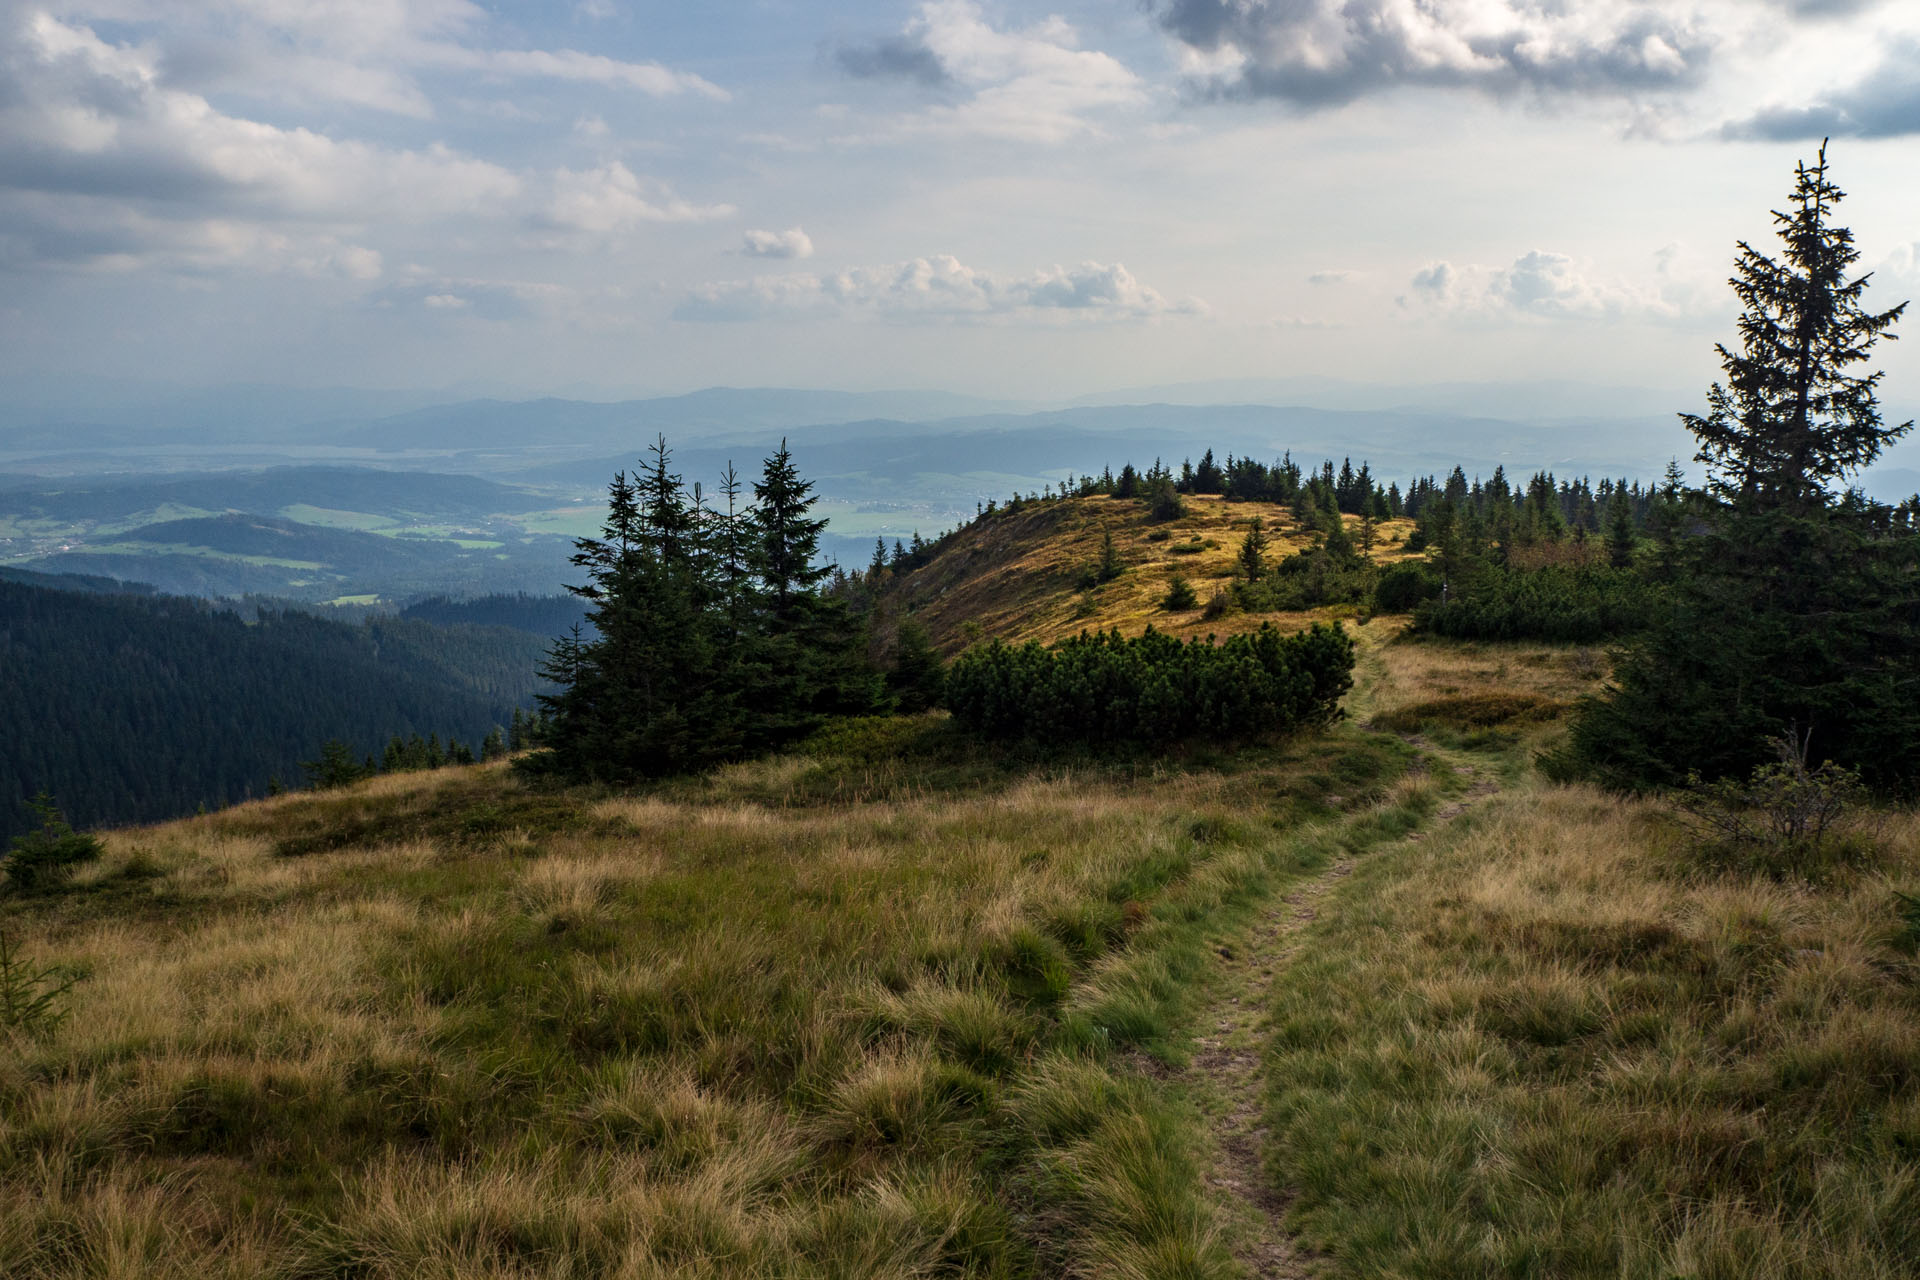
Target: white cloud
{"points": [[1325, 52], [103, 164], [791, 243], [939, 286], [100, 160], [569, 64], [362, 52], [612, 198], [1542, 285], [487, 300], [1032, 84]]}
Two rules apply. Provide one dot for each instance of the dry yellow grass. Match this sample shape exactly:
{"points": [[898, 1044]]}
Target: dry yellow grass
{"points": [[1014, 576], [1559, 1045], [446, 1025]]}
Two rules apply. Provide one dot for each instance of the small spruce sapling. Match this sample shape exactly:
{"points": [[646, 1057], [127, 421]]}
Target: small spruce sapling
{"points": [[42, 858], [1253, 552], [30, 996]]}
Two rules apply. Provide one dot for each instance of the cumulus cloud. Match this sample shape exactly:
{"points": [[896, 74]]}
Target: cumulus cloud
{"points": [[1320, 53], [1331, 276], [613, 198], [1543, 285], [426, 294], [791, 243], [939, 286], [1031, 84], [99, 160], [1884, 104], [104, 164]]}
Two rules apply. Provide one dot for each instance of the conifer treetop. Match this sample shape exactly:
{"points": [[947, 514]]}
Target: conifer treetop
{"points": [[1794, 415]]}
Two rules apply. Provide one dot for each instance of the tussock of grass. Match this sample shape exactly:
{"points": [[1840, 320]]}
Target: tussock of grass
{"points": [[1536, 1051]]}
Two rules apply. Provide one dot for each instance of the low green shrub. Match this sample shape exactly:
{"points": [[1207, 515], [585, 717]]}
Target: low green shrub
{"points": [[41, 859], [1102, 688], [32, 998], [1557, 604]]}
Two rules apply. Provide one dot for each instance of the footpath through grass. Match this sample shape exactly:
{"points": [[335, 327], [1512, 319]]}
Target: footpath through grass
{"points": [[869, 1010], [1548, 1040]]}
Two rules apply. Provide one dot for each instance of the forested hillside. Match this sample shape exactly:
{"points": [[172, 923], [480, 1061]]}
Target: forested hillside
{"points": [[544, 616], [136, 708]]}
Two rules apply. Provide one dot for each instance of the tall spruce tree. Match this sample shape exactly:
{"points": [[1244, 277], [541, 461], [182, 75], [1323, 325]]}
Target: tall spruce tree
{"points": [[1796, 607]]}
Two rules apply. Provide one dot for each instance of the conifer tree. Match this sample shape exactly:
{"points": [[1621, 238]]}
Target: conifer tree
{"points": [[1797, 608], [1620, 535], [1253, 552], [1109, 567], [1794, 416]]}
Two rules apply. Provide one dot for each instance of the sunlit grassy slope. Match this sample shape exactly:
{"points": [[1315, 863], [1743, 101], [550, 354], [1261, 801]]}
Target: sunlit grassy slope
{"points": [[1014, 575]]}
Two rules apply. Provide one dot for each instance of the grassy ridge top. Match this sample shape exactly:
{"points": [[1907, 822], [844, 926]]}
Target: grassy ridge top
{"points": [[1015, 574]]}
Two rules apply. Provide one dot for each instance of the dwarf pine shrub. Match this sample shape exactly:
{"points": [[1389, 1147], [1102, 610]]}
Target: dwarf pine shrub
{"points": [[1100, 687]]}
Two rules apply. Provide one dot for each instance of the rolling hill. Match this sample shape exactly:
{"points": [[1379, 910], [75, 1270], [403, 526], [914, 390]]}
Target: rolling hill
{"points": [[1017, 575]]}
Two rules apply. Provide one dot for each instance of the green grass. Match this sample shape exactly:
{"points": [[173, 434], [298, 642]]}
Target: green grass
{"points": [[134, 550], [868, 1009], [1554, 1044], [328, 518]]}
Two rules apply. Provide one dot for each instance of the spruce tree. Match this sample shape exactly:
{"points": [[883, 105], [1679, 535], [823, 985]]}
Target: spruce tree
{"points": [[1794, 416], [1108, 567], [1252, 560], [1796, 609], [1620, 535]]}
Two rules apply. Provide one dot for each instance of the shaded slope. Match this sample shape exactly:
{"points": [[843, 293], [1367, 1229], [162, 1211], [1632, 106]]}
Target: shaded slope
{"points": [[135, 708]]}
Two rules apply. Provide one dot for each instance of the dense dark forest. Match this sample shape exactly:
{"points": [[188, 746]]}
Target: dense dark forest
{"points": [[547, 616], [133, 708]]}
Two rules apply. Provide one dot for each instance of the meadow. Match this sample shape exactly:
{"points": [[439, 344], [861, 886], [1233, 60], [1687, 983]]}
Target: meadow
{"points": [[822, 1015], [1569, 1036], [895, 1005], [1019, 576]]}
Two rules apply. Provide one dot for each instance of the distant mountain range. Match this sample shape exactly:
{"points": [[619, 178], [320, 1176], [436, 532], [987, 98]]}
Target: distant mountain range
{"points": [[436, 478]]}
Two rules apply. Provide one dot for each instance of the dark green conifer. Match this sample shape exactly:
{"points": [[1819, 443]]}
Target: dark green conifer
{"points": [[1797, 608], [1252, 560]]}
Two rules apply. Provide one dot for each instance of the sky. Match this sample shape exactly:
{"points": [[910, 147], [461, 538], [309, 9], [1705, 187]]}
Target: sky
{"points": [[1003, 198]]}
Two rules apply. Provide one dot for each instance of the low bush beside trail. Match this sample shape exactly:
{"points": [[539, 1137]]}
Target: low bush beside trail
{"points": [[1100, 687]]}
